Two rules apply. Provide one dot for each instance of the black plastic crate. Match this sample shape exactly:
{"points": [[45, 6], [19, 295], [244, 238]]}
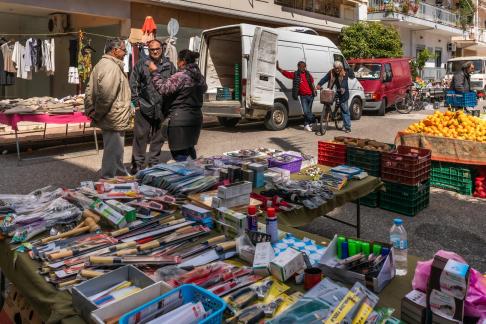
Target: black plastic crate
{"points": [[404, 199], [369, 161], [370, 200]]}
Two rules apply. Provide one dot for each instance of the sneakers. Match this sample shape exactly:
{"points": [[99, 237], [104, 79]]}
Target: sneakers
{"points": [[347, 131], [308, 128]]}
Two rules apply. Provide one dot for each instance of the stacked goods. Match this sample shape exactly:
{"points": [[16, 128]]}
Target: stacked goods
{"points": [[223, 94], [480, 185], [331, 153], [237, 87], [365, 144], [452, 177], [406, 173], [366, 154], [457, 125]]}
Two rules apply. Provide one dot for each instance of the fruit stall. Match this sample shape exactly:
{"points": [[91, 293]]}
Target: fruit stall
{"points": [[458, 145]]}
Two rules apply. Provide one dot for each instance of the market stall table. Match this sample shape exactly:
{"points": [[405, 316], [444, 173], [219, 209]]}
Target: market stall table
{"points": [[352, 192], [12, 120], [55, 306]]}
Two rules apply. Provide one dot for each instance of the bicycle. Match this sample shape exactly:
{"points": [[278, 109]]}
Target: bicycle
{"points": [[330, 113], [415, 100]]}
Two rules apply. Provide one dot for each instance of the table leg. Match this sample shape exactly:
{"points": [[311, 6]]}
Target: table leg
{"points": [[67, 125], [2, 288], [17, 144], [45, 129], [358, 218]]}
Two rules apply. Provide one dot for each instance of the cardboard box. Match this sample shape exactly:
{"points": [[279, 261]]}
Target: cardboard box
{"points": [[447, 288], [110, 215], [93, 286], [123, 306], [330, 268], [242, 200], [264, 254], [236, 189], [231, 223], [128, 212], [286, 264], [413, 307]]}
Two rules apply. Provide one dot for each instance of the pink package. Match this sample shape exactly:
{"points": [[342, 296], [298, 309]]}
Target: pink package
{"points": [[475, 305]]}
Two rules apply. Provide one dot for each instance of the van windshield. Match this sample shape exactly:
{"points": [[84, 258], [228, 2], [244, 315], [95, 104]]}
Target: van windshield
{"points": [[455, 66], [367, 71]]}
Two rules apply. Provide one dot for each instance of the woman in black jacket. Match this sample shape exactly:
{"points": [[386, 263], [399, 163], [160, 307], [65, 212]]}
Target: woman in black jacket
{"points": [[184, 94]]}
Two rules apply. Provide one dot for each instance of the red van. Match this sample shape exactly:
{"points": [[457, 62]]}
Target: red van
{"points": [[385, 81]]}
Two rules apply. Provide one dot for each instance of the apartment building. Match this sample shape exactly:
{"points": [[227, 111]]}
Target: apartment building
{"points": [[431, 24]]}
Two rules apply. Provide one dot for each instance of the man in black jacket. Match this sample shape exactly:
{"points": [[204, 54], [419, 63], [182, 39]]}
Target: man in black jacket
{"points": [[148, 105], [461, 81]]}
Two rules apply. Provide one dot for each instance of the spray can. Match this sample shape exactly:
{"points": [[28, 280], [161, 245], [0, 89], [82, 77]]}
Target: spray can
{"points": [[252, 219], [272, 226]]}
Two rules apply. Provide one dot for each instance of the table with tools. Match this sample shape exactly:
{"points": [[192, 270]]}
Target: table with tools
{"points": [[55, 306]]}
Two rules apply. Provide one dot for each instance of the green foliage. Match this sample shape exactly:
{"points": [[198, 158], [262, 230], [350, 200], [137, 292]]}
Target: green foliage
{"points": [[370, 40], [418, 63], [466, 13]]}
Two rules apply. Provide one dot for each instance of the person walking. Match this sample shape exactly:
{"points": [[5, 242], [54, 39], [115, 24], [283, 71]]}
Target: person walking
{"points": [[184, 94], [303, 87], [461, 81], [107, 103], [148, 105], [338, 76]]}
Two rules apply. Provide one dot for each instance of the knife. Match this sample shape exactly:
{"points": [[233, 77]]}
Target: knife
{"points": [[219, 252]]}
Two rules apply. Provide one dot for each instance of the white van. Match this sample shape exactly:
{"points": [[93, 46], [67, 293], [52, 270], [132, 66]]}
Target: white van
{"points": [[478, 77], [265, 93]]}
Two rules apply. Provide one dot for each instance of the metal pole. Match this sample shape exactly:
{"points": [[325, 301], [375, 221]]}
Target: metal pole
{"points": [[17, 145]]}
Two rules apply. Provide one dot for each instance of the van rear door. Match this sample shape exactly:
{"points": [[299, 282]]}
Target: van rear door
{"points": [[261, 77]]}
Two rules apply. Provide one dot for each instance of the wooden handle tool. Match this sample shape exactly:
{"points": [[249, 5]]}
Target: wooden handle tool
{"points": [[101, 260], [73, 232], [225, 246], [90, 273], [216, 239]]}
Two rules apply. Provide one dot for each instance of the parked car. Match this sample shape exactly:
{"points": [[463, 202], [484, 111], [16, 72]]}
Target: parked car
{"points": [[264, 94], [386, 81]]}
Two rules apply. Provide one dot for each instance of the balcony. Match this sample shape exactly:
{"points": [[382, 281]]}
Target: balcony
{"points": [[322, 7], [409, 14]]}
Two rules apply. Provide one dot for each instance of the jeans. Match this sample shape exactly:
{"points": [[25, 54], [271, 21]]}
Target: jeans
{"points": [[306, 102], [346, 114], [183, 155]]}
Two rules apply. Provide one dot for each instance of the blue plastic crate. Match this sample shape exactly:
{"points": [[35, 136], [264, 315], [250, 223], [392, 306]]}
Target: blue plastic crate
{"points": [[177, 297], [461, 99]]}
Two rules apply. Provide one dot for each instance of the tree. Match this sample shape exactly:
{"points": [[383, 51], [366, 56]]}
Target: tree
{"points": [[466, 13], [370, 40], [418, 63]]}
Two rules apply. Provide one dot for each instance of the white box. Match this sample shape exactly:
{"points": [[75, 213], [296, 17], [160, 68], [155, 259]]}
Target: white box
{"points": [[264, 254], [286, 264]]}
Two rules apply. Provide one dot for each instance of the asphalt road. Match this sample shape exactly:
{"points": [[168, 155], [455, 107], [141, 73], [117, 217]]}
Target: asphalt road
{"points": [[451, 222]]}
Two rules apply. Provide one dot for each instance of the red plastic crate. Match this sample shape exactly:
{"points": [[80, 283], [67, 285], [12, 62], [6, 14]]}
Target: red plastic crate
{"points": [[331, 154], [406, 165]]}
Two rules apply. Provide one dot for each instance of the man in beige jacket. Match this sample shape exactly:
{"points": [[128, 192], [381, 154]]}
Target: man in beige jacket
{"points": [[107, 103]]}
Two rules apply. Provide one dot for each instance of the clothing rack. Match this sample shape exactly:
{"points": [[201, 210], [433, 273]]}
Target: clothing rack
{"points": [[58, 34]]}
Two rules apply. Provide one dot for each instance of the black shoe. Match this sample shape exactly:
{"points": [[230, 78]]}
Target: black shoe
{"points": [[347, 131], [134, 170]]}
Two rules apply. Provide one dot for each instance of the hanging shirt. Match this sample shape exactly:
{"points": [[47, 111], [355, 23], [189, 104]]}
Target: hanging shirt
{"points": [[28, 56], [6, 78], [53, 56], [128, 56], [73, 52], [48, 56], [7, 51], [36, 54], [18, 57]]}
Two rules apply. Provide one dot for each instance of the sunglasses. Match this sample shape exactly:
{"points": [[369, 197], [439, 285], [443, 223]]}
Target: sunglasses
{"points": [[155, 49]]}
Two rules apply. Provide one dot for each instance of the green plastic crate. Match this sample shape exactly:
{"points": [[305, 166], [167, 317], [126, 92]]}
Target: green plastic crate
{"points": [[370, 200], [452, 177], [404, 199], [369, 161]]}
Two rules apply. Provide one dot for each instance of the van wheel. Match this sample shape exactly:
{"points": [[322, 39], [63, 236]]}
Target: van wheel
{"points": [[277, 118], [356, 108], [382, 110], [228, 121]]}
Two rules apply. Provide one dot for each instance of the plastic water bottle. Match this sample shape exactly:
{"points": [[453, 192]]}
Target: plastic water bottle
{"points": [[398, 237]]}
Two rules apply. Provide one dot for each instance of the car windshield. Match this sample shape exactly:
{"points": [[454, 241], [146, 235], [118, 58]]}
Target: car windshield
{"points": [[455, 66], [367, 71]]}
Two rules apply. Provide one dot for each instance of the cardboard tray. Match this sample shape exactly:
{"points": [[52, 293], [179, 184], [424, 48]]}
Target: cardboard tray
{"points": [[374, 283], [93, 286]]}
